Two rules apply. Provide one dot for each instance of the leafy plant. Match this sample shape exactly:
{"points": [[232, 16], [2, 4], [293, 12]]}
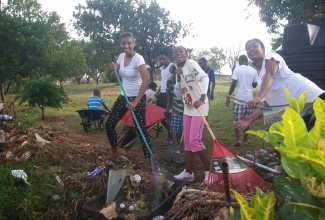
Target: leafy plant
{"points": [[43, 92], [301, 158], [261, 205]]}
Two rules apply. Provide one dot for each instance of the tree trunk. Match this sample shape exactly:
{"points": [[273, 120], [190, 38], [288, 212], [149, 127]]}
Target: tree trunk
{"points": [[2, 93], [8, 86], [43, 116], [79, 81]]}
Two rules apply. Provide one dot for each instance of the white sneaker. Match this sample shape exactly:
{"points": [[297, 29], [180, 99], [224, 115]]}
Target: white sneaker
{"points": [[185, 176]]}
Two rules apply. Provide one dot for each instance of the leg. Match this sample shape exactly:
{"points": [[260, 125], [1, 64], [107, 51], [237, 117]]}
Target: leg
{"points": [[118, 111], [140, 112], [187, 134], [237, 115], [248, 113]]}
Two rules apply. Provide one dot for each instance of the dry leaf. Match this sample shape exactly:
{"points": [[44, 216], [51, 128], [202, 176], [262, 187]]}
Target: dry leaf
{"points": [[8, 154], [109, 211]]}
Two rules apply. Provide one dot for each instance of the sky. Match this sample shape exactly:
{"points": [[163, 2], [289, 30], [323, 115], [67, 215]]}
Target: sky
{"points": [[221, 23]]}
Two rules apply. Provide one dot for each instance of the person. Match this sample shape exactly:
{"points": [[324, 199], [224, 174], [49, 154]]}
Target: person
{"points": [[212, 81], [175, 108], [273, 76], [95, 102], [244, 79], [198, 81], [150, 93], [161, 93], [132, 69]]}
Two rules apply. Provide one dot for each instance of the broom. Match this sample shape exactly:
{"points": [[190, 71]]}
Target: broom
{"points": [[155, 165], [240, 174], [272, 114]]}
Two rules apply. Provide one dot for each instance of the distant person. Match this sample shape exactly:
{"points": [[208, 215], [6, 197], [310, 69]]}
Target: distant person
{"points": [[161, 93], [150, 93], [175, 108], [198, 81], [274, 74], [212, 81], [244, 79], [95, 102], [132, 69]]}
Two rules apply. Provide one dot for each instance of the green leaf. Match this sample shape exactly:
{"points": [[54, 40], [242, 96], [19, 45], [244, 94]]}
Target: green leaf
{"points": [[292, 101], [319, 111], [245, 211], [322, 214], [315, 158], [294, 129], [302, 100], [315, 134], [299, 211], [293, 192], [265, 209], [56, 197], [294, 168]]}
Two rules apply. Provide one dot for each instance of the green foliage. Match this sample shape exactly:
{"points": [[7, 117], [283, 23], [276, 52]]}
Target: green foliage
{"points": [[274, 12], [43, 92], [260, 207], [26, 120], [301, 158], [215, 56]]}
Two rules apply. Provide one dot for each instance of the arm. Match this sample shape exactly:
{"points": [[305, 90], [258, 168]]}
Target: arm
{"points": [[169, 102], [113, 66], [245, 122], [213, 85], [157, 93], [231, 90], [204, 90], [104, 105], [271, 69], [145, 82]]}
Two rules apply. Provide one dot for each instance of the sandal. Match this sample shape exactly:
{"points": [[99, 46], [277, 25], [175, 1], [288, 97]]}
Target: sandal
{"points": [[166, 143], [236, 144], [247, 141]]}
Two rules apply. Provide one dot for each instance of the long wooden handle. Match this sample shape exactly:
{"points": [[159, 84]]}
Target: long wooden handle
{"points": [[193, 98], [237, 99]]}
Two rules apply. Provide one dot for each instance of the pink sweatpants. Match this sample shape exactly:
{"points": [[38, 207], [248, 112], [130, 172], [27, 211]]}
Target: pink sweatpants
{"points": [[193, 128]]}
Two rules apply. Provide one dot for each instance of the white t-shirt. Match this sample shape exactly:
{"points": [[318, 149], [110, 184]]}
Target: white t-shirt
{"points": [[150, 94], [131, 78], [193, 73], [245, 77], [165, 74], [294, 82]]}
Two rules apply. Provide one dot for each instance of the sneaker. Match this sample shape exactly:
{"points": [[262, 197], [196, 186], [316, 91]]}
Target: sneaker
{"points": [[185, 176]]}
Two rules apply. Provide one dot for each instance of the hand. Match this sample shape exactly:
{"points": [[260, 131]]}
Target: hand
{"points": [[253, 103], [178, 73], [227, 102], [211, 96], [113, 66], [198, 103], [243, 123], [131, 105], [167, 113]]}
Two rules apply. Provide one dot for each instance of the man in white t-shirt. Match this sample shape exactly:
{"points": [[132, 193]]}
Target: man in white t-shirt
{"points": [[244, 79]]}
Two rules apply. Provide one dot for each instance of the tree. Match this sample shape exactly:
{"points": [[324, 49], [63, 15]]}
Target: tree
{"points": [[43, 92], [276, 12], [232, 57], [215, 56], [103, 21]]}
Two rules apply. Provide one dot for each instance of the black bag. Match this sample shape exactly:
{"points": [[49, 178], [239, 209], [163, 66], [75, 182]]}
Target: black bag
{"points": [[128, 138]]}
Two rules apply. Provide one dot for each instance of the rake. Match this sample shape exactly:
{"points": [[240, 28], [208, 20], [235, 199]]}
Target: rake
{"points": [[242, 178], [272, 114], [155, 165]]}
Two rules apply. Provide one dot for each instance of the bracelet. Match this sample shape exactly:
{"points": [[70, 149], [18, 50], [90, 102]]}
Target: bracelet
{"points": [[202, 100]]}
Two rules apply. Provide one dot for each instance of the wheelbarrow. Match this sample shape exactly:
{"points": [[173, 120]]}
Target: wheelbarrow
{"points": [[92, 117]]}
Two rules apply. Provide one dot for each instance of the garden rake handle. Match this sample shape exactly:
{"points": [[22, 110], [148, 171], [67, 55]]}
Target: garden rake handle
{"points": [[133, 114], [237, 99], [205, 121]]}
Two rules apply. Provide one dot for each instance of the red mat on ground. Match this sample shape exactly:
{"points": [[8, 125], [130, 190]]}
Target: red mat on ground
{"points": [[242, 178], [154, 114]]}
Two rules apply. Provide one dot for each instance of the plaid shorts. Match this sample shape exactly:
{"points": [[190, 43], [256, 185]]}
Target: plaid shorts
{"points": [[240, 110], [177, 123]]}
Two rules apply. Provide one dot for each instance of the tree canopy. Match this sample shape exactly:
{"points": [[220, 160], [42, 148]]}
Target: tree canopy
{"points": [[276, 13], [104, 20]]}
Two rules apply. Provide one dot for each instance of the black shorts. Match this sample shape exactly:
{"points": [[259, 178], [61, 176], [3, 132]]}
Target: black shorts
{"points": [[162, 100]]}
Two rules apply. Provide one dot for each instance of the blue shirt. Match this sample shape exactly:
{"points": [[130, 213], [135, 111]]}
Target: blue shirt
{"points": [[94, 102], [210, 73]]}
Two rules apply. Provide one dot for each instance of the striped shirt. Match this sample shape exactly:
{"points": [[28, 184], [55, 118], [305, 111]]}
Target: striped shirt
{"points": [[94, 102], [177, 102]]}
